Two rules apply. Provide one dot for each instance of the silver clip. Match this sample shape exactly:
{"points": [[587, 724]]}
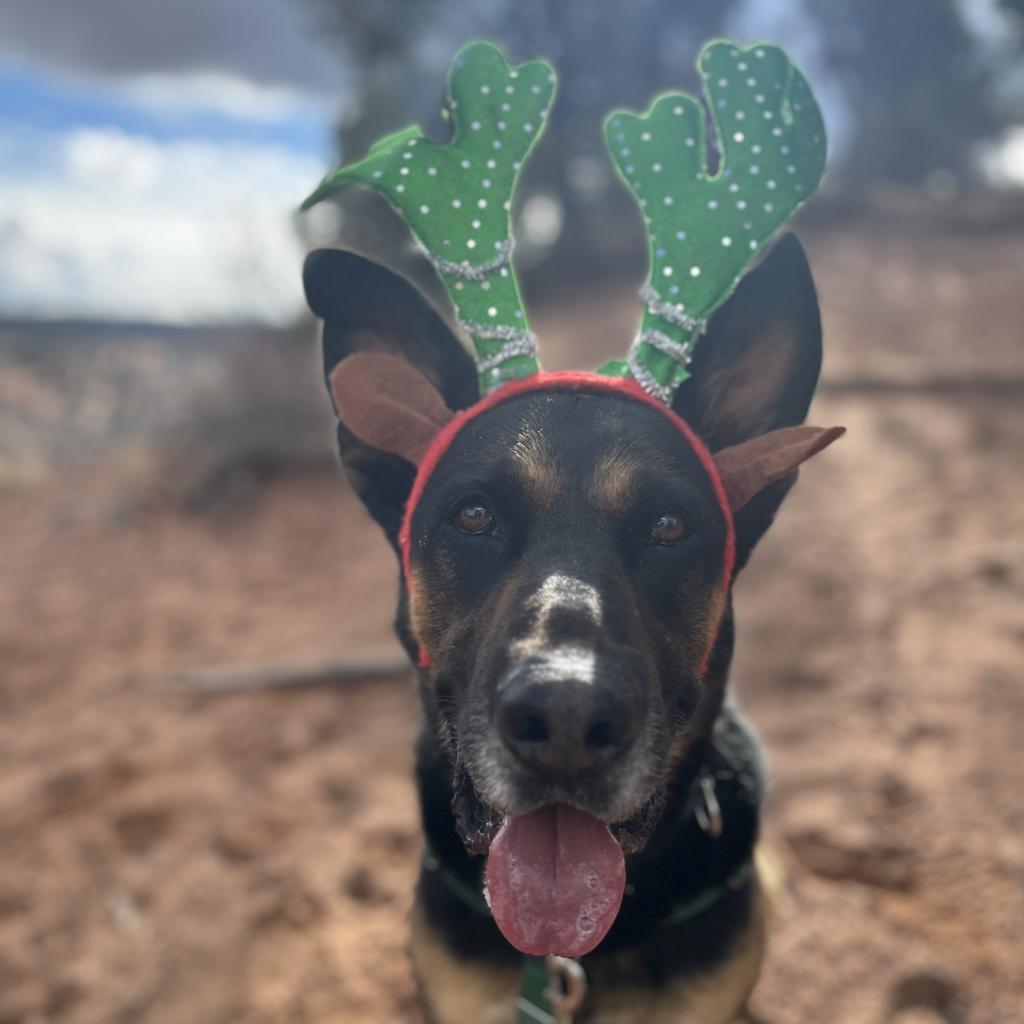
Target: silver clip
{"points": [[567, 987], [709, 816]]}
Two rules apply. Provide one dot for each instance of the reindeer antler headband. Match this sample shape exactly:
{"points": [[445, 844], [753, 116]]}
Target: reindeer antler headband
{"points": [[704, 229], [457, 196]]}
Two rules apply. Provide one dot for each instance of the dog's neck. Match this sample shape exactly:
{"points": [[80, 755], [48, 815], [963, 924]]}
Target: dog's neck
{"points": [[690, 852]]}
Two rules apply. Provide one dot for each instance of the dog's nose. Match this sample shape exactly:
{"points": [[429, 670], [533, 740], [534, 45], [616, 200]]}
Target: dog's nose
{"points": [[565, 726]]}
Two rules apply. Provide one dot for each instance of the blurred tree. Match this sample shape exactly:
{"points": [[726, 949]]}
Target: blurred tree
{"points": [[921, 87]]}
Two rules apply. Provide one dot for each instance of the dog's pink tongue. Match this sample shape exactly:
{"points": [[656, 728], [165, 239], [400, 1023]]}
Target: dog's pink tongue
{"points": [[554, 879]]}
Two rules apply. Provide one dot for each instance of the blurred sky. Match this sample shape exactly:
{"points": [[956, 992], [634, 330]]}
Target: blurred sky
{"points": [[152, 153]]}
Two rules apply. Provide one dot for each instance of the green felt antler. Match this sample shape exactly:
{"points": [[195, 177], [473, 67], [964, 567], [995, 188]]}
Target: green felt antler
{"points": [[456, 197], [705, 230]]}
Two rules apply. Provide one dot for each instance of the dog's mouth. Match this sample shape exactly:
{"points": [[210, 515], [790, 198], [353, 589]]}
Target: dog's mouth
{"points": [[556, 874]]}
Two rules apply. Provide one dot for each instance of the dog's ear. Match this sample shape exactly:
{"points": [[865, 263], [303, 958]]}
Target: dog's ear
{"points": [[747, 469], [754, 374], [387, 403], [756, 368], [410, 373]]}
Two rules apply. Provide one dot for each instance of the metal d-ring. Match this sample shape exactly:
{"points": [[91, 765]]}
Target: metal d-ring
{"points": [[567, 987], [709, 817]]}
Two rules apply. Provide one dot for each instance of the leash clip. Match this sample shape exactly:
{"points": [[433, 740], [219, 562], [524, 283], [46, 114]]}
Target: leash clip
{"points": [[567, 987], [708, 815]]}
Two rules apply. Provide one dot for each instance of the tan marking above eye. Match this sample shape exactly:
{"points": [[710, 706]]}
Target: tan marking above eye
{"points": [[534, 465], [613, 484]]}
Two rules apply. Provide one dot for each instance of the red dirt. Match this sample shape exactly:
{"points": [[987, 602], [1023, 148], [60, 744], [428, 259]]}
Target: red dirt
{"points": [[245, 859]]}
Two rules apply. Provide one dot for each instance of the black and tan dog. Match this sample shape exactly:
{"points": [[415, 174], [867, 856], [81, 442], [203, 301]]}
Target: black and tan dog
{"points": [[566, 576]]}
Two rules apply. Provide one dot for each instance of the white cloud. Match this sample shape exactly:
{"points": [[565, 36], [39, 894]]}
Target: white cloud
{"points": [[1003, 161], [102, 223], [220, 92]]}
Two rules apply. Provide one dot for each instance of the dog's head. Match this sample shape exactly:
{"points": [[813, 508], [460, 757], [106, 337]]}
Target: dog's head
{"points": [[570, 548]]}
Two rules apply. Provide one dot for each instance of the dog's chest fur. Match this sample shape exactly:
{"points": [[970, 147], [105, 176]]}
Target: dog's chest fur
{"points": [[454, 991]]}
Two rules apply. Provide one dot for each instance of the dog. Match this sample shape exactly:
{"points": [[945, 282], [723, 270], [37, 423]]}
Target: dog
{"points": [[566, 577]]}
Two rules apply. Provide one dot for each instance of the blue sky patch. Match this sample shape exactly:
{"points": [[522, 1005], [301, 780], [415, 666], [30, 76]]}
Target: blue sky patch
{"points": [[42, 102]]}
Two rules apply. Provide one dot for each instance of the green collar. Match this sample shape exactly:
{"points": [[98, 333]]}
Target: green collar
{"points": [[679, 914], [533, 1005]]}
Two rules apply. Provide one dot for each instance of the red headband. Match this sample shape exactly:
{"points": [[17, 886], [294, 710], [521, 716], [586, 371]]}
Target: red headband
{"points": [[564, 381]]}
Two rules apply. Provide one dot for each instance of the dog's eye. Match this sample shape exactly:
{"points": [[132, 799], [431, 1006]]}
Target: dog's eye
{"points": [[668, 528], [473, 518]]}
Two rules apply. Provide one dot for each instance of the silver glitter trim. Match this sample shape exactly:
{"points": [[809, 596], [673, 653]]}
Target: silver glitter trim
{"points": [[670, 311], [647, 380], [524, 347], [468, 271], [517, 342], [681, 351]]}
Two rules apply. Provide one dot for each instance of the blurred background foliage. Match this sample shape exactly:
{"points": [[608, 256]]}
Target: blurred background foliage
{"points": [[916, 94]]}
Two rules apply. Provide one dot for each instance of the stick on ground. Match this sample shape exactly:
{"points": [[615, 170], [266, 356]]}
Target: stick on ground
{"points": [[386, 663]]}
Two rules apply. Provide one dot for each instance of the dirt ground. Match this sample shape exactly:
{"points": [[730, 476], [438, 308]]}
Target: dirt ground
{"points": [[248, 859]]}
